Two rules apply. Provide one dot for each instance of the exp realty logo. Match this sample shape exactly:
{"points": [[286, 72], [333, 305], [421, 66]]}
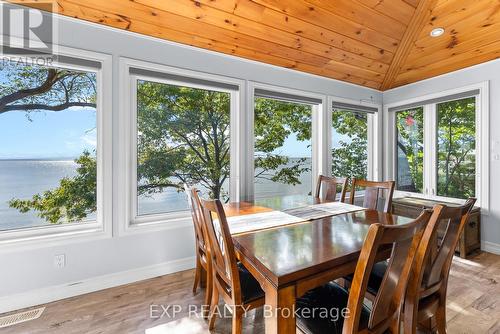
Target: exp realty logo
{"points": [[28, 33]]}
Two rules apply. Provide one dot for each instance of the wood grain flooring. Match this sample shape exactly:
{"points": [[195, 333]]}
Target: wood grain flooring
{"points": [[473, 306]]}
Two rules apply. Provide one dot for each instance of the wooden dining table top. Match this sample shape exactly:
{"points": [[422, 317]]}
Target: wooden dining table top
{"points": [[287, 253]]}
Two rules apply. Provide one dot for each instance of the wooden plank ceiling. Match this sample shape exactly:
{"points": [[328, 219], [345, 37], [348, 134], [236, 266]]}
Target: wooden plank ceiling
{"points": [[374, 43]]}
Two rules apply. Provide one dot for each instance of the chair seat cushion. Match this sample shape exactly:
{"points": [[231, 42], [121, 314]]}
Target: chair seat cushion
{"points": [[321, 310], [376, 277], [250, 288]]}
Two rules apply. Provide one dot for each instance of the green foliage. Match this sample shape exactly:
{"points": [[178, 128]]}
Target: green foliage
{"points": [[34, 88], [410, 146], [275, 121], [456, 148], [183, 138], [71, 201], [350, 159]]}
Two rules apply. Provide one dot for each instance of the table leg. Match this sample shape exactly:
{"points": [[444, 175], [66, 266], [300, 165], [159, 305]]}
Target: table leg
{"points": [[279, 310]]}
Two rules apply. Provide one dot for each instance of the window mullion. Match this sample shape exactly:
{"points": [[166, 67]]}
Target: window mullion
{"points": [[328, 138], [430, 148], [372, 168], [321, 121]]}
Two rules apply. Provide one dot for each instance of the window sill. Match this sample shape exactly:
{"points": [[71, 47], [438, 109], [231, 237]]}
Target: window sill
{"points": [[49, 236], [159, 222]]}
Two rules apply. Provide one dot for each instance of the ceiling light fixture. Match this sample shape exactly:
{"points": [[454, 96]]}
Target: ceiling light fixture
{"points": [[436, 32]]}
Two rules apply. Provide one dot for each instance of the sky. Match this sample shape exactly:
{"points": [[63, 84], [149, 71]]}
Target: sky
{"points": [[294, 148], [63, 134], [67, 134]]}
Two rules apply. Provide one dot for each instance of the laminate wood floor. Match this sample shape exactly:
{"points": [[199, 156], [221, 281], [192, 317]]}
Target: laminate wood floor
{"points": [[473, 306]]}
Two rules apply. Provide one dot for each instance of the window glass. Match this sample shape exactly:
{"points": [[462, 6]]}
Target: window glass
{"points": [[48, 152], [410, 150], [182, 137], [456, 148], [349, 144], [282, 149]]}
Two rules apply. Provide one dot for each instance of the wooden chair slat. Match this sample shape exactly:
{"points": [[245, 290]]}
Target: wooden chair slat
{"points": [[327, 188], [374, 191]]}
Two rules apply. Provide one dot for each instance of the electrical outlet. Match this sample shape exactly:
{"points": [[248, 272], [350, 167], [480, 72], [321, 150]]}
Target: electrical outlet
{"points": [[59, 261]]}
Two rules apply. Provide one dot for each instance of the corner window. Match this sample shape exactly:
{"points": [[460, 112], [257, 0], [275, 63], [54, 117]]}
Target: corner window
{"points": [[410, 150], [435, 147], [456, 148]]}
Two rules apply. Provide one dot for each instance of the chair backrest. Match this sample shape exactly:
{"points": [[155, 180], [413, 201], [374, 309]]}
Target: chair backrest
{"points": [[329, 186], [222, 251], [404, 240], [455, 219], [374, 191], [433, 262], [197, 216]]}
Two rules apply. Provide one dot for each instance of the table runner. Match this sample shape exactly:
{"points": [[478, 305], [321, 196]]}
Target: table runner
{"points": [[317, 211], [264, 220], [260, 221]]}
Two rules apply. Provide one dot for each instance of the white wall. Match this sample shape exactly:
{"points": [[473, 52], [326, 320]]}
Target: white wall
{"points": [[487, 71], [23, 272]]}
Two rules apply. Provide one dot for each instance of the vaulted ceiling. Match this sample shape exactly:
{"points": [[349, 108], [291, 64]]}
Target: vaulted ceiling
{"points": [[374, 43]]}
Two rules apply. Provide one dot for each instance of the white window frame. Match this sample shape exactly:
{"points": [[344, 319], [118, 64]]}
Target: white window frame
{"points": [[430, 158], [130, 221], [101, 227], [318, 145], [373, 128]]}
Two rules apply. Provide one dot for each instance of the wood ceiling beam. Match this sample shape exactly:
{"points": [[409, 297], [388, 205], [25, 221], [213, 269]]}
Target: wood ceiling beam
{"points": [[417, 22]]}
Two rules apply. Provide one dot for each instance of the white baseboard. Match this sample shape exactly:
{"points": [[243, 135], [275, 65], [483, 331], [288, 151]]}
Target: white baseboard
{"points": [[53, 293], [490, 247]]}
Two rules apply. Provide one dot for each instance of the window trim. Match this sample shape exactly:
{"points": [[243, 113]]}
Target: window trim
{"points": [[318, 147], [130, 222], [374, 123], [101, 227], [482, 143]]}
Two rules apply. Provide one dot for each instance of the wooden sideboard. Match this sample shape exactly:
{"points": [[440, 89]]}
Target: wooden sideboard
{"points": [[470, 240]]}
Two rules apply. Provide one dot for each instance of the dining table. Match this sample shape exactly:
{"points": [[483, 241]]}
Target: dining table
{"points": [[289, 259]]}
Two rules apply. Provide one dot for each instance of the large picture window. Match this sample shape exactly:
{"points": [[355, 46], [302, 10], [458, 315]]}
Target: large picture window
{"points": [[48, 159], [283, 152], [435, 146], [183, 137]]}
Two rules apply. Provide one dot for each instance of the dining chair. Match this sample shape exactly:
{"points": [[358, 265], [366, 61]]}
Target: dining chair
{"points": [[336, 302], [426, 293], [203, 269], [231, 280], [329, 186], [373, 192], [425, 301]]}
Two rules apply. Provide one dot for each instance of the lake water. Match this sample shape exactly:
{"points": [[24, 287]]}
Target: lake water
{"points": [[23, 178]]}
